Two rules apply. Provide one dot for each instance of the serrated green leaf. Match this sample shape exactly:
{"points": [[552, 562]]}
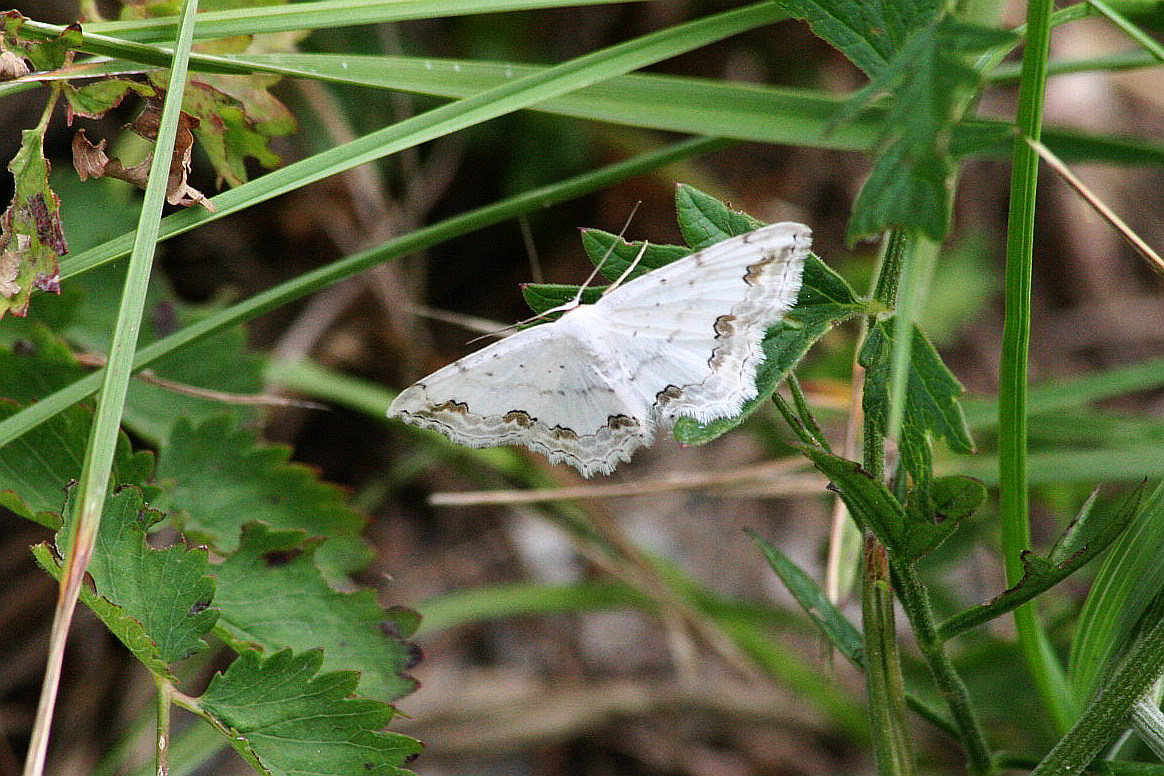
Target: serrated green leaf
{"points": [[31, 237], [614, 254], [94, 100], [217, 478], [128, 629], [841, 633], [154, 600], [705, 221], [931, 406], [1043, 573], [929, 80], [271, 595], [825, 300], [36, 467], [546, 296], [867, 33], [285, 719]]}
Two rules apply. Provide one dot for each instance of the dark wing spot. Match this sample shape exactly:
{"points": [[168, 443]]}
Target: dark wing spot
{"points": [[668, 394], [518, 417], [621, 421]]}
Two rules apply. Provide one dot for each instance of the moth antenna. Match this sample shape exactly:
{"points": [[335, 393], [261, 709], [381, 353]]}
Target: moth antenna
{"points": [[630, 268], [602, 262], [577, 300]]}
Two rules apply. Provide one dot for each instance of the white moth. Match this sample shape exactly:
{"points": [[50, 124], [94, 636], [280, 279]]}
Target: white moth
{"points": [[591, 387]]}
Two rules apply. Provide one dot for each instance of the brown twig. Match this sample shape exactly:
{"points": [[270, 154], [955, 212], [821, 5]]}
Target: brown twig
{"points": [[778, 478]]}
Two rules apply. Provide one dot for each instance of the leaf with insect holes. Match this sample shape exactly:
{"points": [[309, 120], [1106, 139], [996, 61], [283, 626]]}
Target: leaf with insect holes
{"points": [[285, 718], [94, 100], [155, 600], [218, 477], [32, 239], [271, 594], [36, 467], [868, 32], [44, 55], [929, 80]]}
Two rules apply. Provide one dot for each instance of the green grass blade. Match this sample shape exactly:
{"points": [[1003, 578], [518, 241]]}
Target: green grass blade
{"points": [[1012, 418], [320, 15], [1132, 573], [506, 98], [99, 453], [1075, 391], [296, 288]]}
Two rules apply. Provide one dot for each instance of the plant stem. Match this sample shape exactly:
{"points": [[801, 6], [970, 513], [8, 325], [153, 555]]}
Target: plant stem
{"points": [[1012, 416], [1112, 707], [915, 601], [883, 680]]}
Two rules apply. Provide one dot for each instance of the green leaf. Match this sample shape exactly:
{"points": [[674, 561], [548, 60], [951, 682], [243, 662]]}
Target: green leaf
{"points": [[825, 300], [546, 296], [221, 363], [94, 100], [285, 719], [956, 497], [931, 406], [867, 33], [614, 254], [31, 238], [1042, 573], [217, 478], [154, 600], [910, 184], [705, 221], [237, 119], [906, 534], [271, 595], [841, 633], [36, 467]]}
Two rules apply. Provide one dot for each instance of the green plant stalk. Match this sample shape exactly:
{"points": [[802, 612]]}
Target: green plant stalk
{"points": [[94, 482], [312, 281], [162, 737], [889, 267], [915, 601], [909, 587], [884, 683], [915, 279], [1111, 709], [1012, 401]]}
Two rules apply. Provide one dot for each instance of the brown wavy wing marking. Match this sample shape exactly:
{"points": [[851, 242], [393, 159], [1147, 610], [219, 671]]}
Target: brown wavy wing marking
{"points": [[590, 453]]}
